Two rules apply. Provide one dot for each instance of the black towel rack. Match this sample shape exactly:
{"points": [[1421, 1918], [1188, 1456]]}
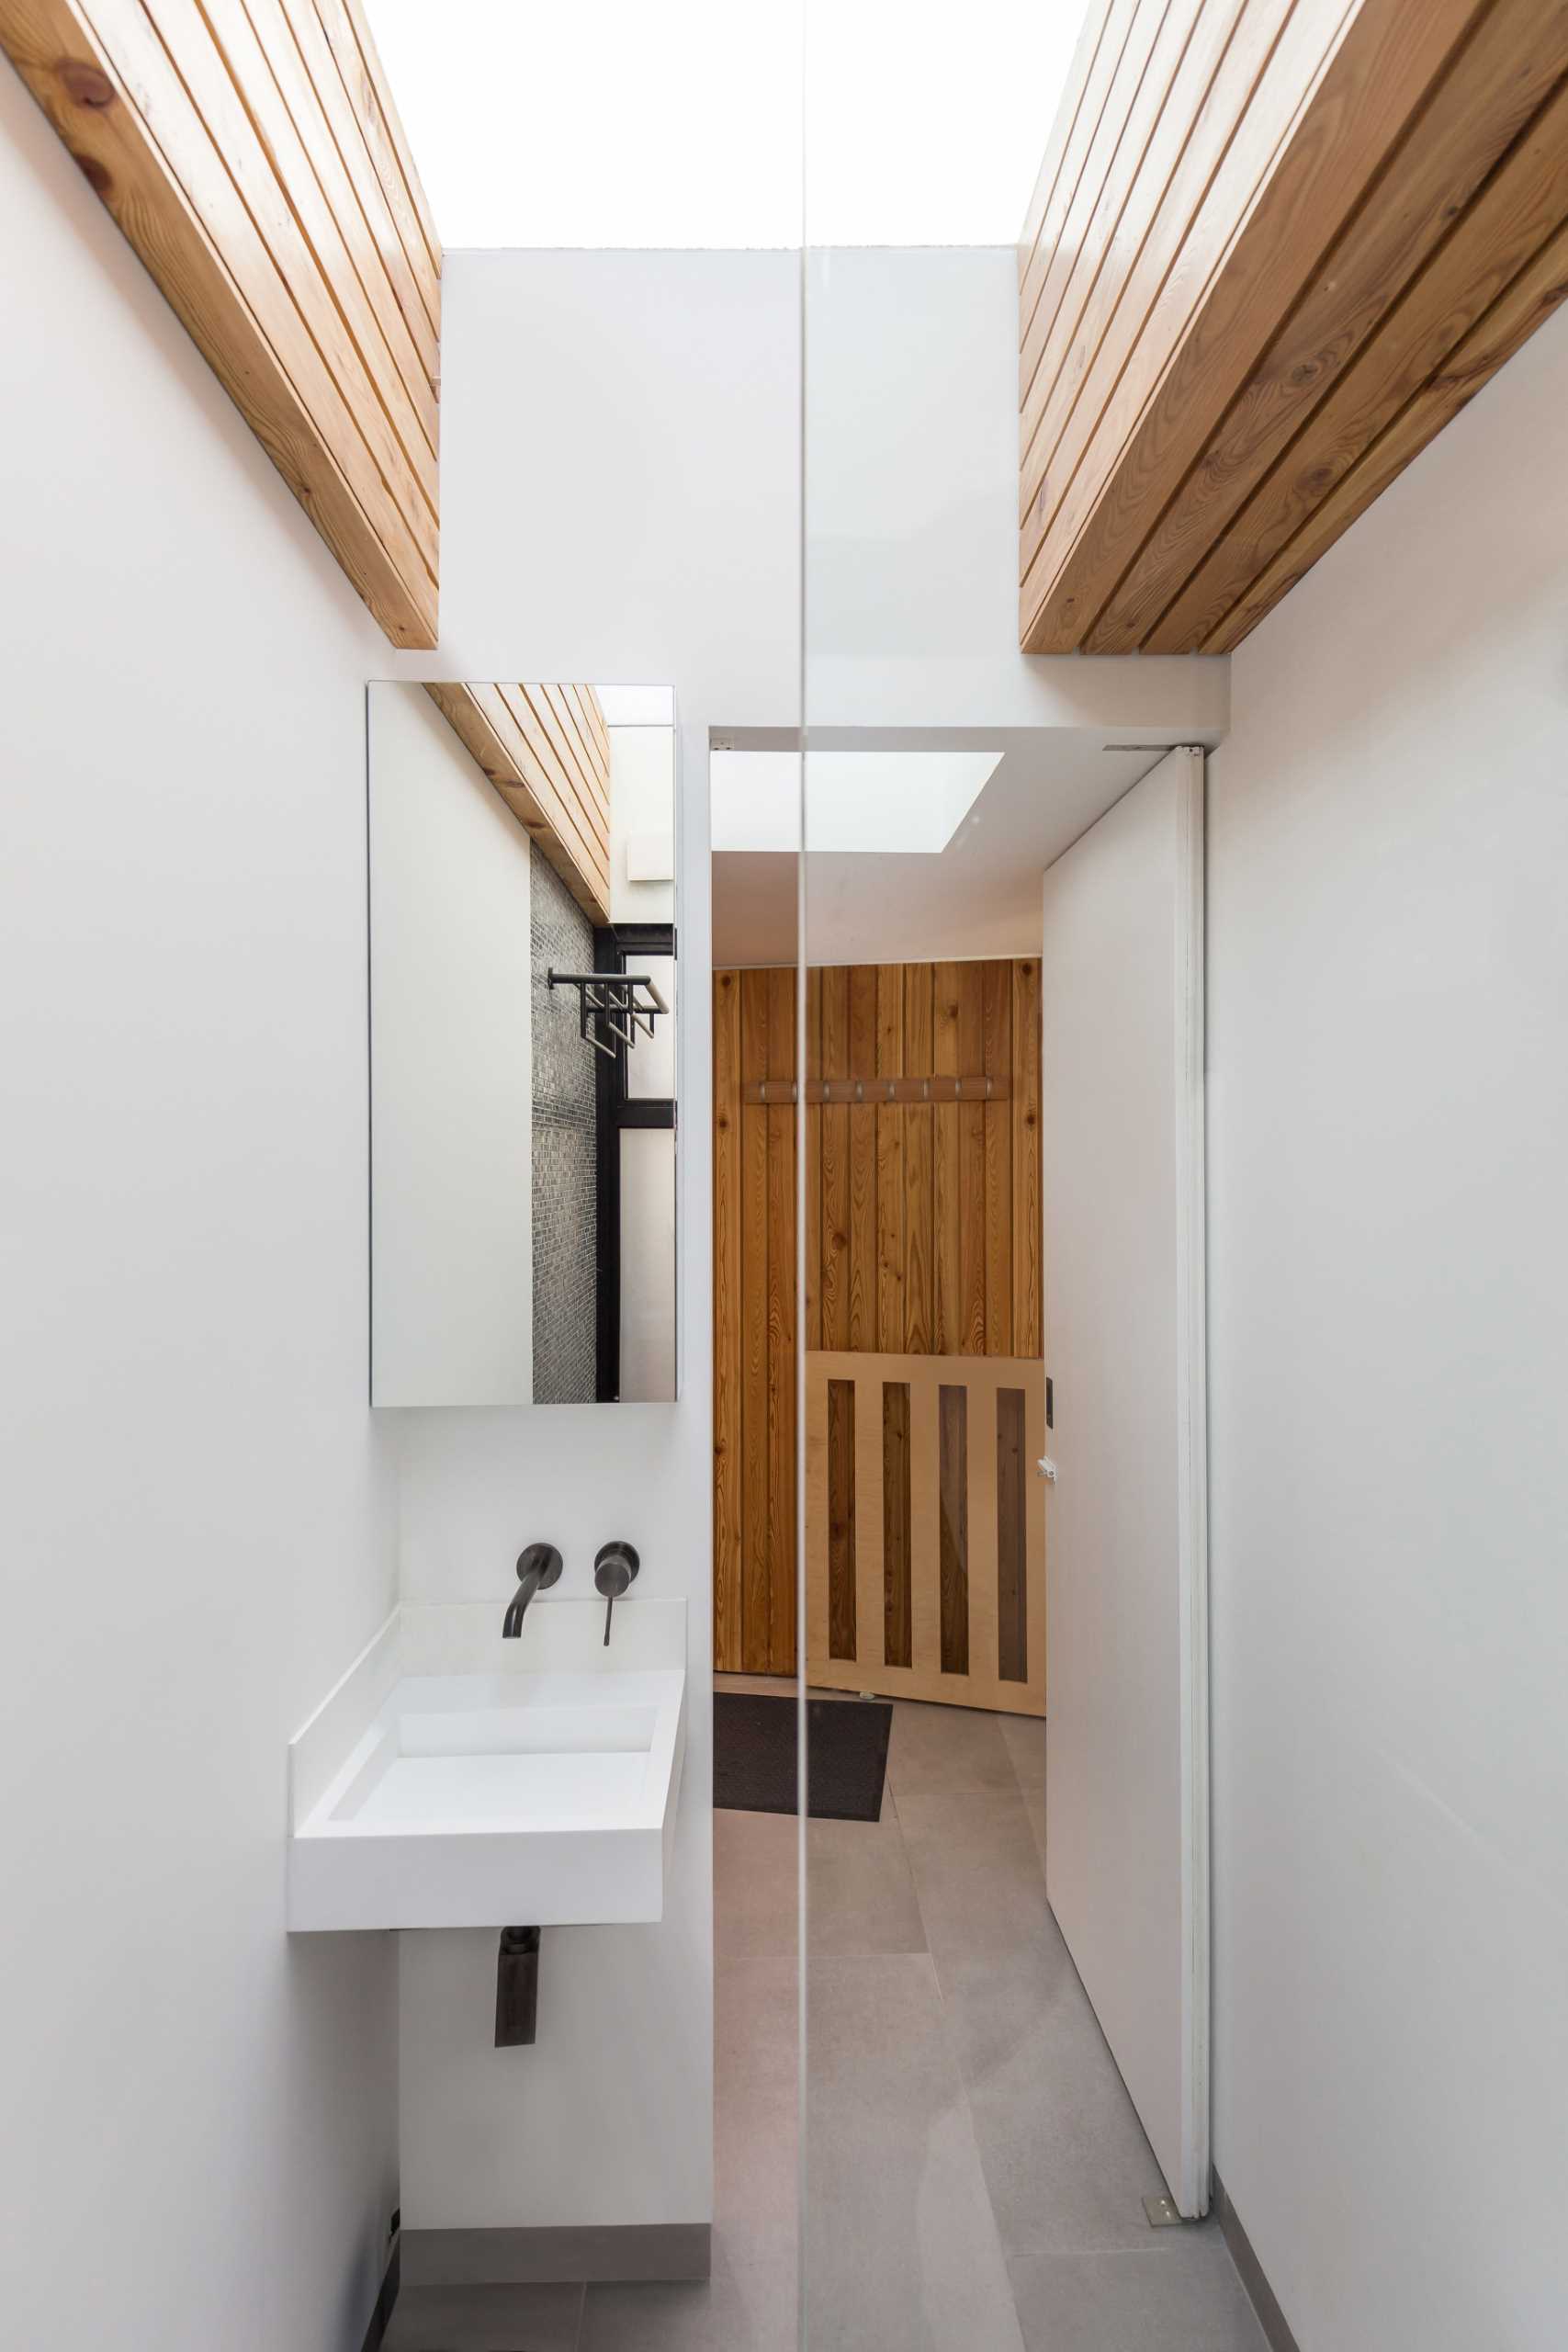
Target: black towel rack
{"points": [[622, 1003]]}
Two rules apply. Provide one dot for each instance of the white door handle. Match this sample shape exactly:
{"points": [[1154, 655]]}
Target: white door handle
{"points": [[1047, 1468]]}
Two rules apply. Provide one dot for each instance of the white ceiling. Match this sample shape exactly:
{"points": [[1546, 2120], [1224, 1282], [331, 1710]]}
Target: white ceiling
{"points": [[979, 897], [727, 122]]}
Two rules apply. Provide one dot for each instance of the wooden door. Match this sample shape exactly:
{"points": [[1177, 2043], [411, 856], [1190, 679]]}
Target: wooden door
{"points": [[925, 1528], [923, 1229]]}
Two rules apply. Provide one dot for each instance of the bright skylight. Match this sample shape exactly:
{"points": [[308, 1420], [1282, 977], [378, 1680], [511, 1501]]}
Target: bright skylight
{"points": [[910, 803], [618, 122]]}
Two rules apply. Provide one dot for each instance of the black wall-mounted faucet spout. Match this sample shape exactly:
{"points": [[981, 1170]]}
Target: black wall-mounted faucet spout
{"points": [[615, 1565], [539, 1568]]}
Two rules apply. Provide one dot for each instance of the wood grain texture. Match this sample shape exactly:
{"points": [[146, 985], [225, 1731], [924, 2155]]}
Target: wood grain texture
{"points": [[945, 1493], [728, 1339], [842, 1518], [920, 1170], [1510, 67], [781, 1330], [873, 1245], [756, 1373], [216, 139], [898, 1622], [1255, 321], [953, 1478], [1012, 1537], [556, 783], [1400, 366]]}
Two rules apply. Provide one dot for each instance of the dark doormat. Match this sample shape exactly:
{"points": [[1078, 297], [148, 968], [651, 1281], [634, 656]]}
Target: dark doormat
{"points": [[754, 1747]]}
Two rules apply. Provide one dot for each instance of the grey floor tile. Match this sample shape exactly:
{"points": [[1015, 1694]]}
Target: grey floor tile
{"points": [[860, 1892], [756, 2111], [743, 2307], [902, 2247], [756, 1899], [1064, 2156], [485, 2319], [1023, 1736], [977, 1875], [861, 1896], [946, 1749], [1186, 2299]]}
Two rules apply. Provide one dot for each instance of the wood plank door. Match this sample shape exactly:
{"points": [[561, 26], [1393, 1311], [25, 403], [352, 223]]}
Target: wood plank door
{"points": [[922, 1212], [1126, 1782], [925, 1528]]}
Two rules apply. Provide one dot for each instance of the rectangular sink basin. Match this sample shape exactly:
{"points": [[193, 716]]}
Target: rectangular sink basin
{"points": [[542, 1794]]}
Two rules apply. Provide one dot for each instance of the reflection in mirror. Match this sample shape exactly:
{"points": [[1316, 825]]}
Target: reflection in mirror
{"points": [[522, 1054]]}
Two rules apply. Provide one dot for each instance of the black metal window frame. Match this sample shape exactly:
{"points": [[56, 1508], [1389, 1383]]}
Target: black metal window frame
{"points": [[617, 949]]}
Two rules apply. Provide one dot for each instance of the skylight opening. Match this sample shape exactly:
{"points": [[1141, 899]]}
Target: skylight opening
{"points": [[881, 804], [708, 123]]}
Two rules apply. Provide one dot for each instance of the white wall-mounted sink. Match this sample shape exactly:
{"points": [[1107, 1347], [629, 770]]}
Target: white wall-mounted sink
{"points": [[457, 1779]]}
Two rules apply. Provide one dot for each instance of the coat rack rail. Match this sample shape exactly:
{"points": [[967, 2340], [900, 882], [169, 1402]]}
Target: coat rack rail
{"points": [[940, 1089]]}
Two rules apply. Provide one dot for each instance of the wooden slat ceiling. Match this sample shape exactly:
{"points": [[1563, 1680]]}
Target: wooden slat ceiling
{"points": [[1275, 246], [547, 751], [250, 152]]}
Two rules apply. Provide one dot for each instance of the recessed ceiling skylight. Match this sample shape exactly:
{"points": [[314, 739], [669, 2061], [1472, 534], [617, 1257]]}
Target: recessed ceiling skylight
{"points": [[715, 122], [898, 803]]}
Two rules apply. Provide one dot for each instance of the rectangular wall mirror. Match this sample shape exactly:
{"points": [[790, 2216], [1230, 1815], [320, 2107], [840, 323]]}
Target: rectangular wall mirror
{"points": [[522, 1057]]}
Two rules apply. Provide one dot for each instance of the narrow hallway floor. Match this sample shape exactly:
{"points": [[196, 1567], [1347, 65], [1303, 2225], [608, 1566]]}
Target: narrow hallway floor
{"points": [[976, 2170]]}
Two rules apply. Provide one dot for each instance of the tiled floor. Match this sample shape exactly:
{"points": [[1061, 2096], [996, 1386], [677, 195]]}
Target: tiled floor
{"points": [[976, 2171]]}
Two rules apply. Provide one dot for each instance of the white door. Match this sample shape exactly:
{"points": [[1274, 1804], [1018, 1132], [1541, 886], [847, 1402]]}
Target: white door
{"points": [[1126, 1779]]}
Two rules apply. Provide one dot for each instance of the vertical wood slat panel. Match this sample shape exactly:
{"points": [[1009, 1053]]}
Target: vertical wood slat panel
{"points": [[1012, 1596], [781, 1333], [812, 1186], [818, 1509], [980, 1549], [952, 1475], [963, 1429], [869, 1597], [972, 1202], [947, 1197], [896, 1621], [727, 1465], [756, 1539], [841, 1614], [862, 1119], [997, 981], [919, 1169], [834, 1148], [925, 1528], [890, 1121]]}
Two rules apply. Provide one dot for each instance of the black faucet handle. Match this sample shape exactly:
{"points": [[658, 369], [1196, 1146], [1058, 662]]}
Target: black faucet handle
{"points": [[615, 1564]]}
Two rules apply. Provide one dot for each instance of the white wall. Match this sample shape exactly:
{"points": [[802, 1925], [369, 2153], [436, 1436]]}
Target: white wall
{"points": [[451, 1069], [911, 495], [642, 823], [1388, 1099], [197, 2147], [677, 561]]}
